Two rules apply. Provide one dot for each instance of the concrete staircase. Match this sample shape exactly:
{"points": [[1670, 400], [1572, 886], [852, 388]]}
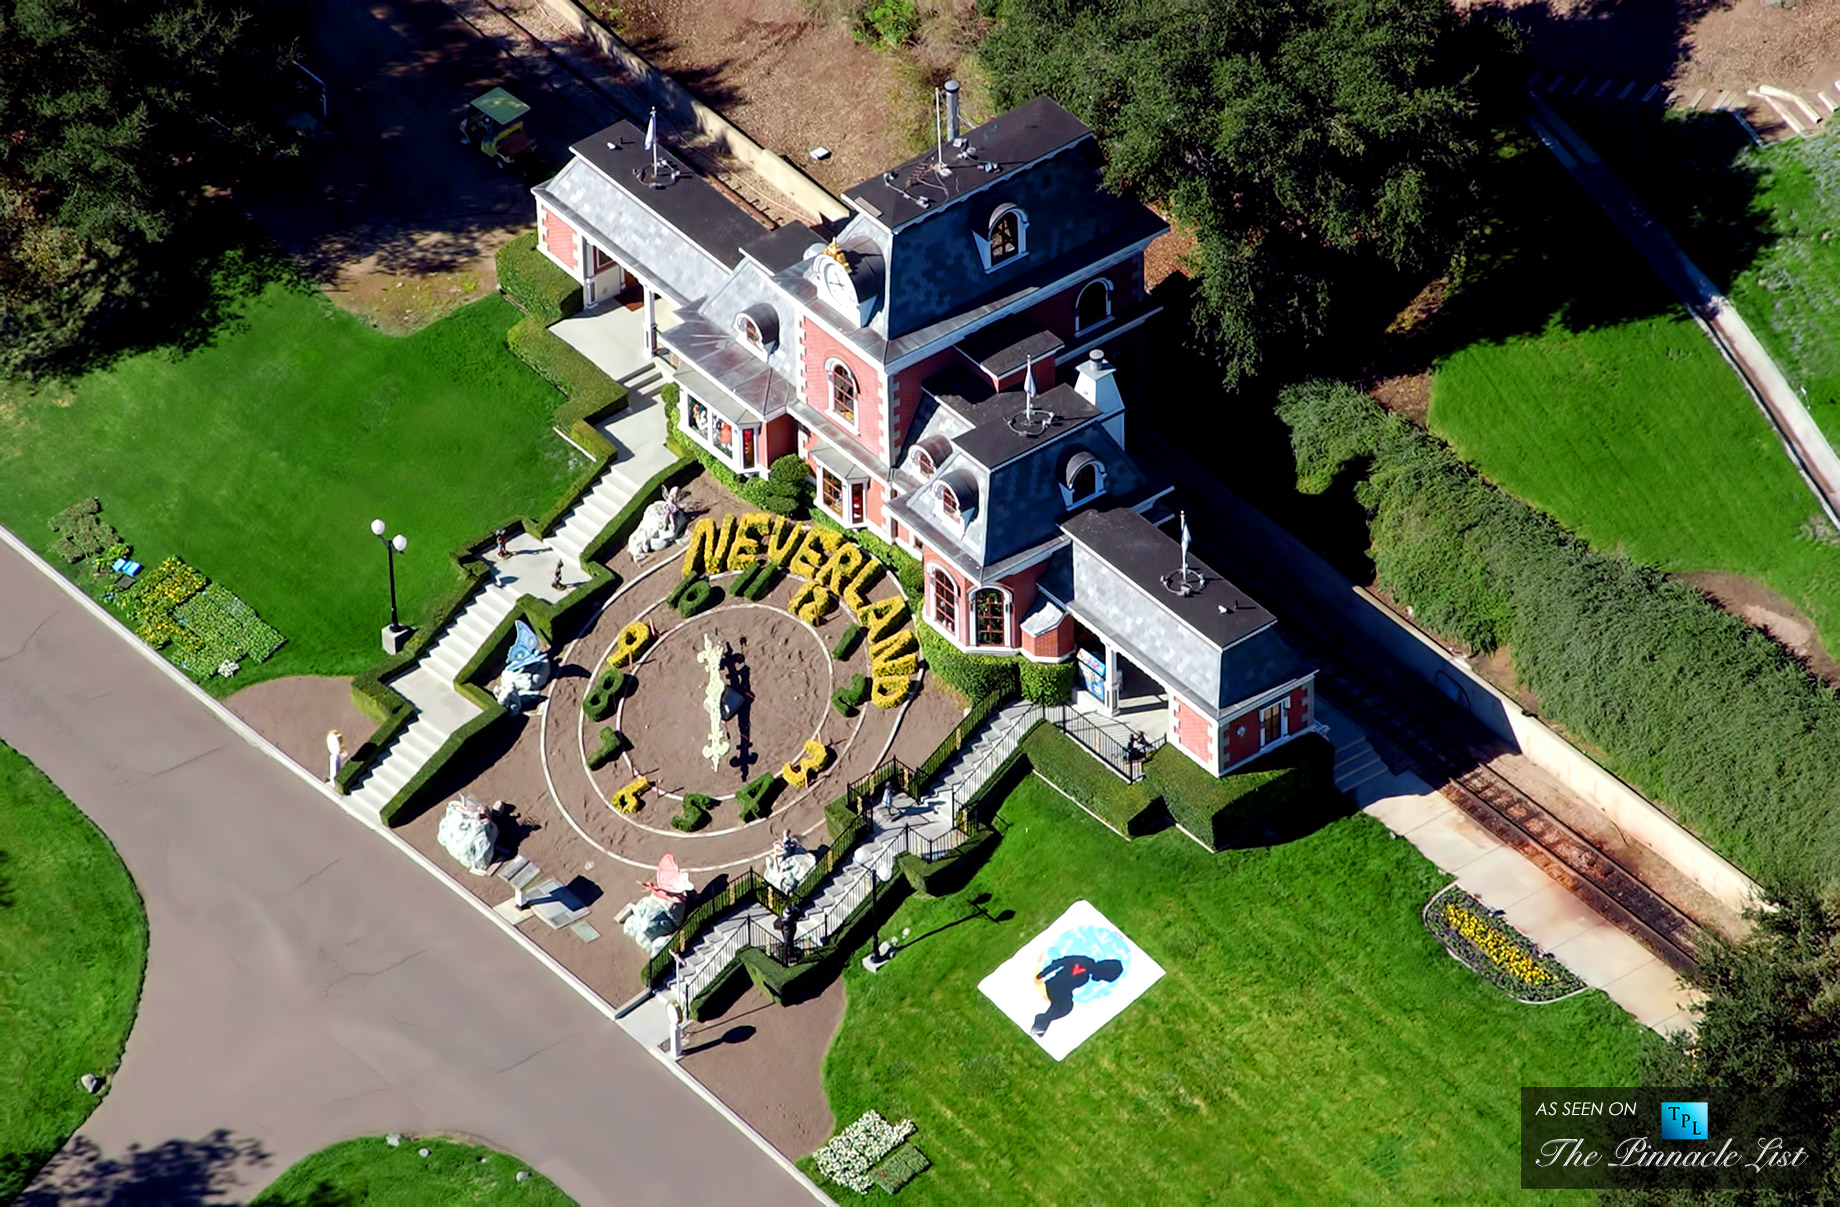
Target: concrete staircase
{"points": [[428, 685], [897, 823]]}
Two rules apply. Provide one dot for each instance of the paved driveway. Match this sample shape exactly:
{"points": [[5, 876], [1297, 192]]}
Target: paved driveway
{"points": [[306, 982]]}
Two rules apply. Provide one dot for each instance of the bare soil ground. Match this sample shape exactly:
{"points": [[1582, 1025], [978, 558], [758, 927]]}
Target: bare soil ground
{"points": [[392, 214], [296, 712], [1690, 44], [767, 1062], [1764, 609], [790, 74]]}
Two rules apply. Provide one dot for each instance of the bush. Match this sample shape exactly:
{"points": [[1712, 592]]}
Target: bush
{"points": [[887, 23], [757, 797], [849, 698], [1047, 682], [694, 595], [847, 642], [538, 288], [590, 393], [971, 675], [598, 704], [1220, 810], [1131, 809], [612, 741], [693, 815], [1684, 701], [757, 580]]}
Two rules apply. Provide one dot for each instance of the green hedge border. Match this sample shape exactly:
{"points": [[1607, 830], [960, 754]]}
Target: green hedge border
{"points": [[533, 284]]}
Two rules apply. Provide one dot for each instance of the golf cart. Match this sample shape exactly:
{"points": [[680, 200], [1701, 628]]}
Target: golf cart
{"points": [[495, 123]]}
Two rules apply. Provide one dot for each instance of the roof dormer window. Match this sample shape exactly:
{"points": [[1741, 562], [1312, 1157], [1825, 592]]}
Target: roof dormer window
{"points": [[1083, 479], [1005, 239], [948, 502], [749, 331], [757, 329]]}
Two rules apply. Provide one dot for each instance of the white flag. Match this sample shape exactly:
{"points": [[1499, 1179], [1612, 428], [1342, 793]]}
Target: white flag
{"points": [[651, 132], [1028, 380], [1184, 516]]}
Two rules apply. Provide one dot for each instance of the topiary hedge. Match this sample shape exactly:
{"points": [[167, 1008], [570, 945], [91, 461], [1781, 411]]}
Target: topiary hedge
{"points": [[538, 288], [1220, 811], [971, 675], [590, 393], [1047, 682], [1686, 702]]}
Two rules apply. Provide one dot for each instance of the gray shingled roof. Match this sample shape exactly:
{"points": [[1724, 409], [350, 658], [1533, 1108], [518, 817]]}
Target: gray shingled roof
{"points": [[1143, 554]]}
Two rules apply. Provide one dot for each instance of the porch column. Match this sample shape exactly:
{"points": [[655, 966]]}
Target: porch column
{"points": [[1111, 680], [651, 321]]}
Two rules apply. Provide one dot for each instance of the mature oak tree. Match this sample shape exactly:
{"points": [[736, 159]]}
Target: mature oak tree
{"points": [[115, 119], [1298, 139]]}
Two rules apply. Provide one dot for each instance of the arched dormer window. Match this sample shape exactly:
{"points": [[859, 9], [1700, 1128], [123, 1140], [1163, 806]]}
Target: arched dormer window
{"points": [[948, 501], [990, 616], [923, 461], [749, 331], [1005, 239], [843, 391], [957, 493], [945, 602], [928, 454], [1082, 479], [1094, 305]]}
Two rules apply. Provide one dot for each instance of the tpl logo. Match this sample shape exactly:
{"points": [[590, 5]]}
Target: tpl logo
{"points": [[1684, 1121]]}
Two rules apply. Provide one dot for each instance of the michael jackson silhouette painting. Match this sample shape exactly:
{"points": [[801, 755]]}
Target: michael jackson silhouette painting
{"points": [[1061, 977]]}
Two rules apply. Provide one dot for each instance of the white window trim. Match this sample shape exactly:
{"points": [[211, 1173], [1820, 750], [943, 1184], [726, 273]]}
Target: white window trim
{"points": [[1022, 237], [1009, 603], [1099, 476], [732, 460], [932, 608], [743, 321], [1103, 283], [854, 423]]}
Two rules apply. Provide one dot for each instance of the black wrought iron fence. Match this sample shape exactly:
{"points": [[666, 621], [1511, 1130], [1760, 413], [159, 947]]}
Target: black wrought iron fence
{"points": [[1112, 743]]}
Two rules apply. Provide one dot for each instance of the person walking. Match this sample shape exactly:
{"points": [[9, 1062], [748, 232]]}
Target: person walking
{"points": [[504, 550], [556, 580]]}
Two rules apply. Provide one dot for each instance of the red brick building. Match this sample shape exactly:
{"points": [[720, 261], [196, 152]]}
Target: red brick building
{"points": [[953, 362]]}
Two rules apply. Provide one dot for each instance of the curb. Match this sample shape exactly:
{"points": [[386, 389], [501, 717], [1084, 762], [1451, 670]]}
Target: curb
{"points": [[249, 735]]}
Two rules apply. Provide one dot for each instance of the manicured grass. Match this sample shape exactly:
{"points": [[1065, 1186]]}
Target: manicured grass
{"points": [[73, 945], [370, 1173], [1309, 1043], [262, 459], [1601, 403]]}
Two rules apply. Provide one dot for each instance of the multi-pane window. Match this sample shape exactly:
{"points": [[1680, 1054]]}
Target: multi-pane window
{"points": [[749, 331], [987, 606], [1005, 236], [945, 602], [843, 393], [1271, 723], [832, 494], [948, 501]]}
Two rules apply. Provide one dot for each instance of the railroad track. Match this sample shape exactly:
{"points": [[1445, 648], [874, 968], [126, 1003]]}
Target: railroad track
{"points": [[1593, 876]]}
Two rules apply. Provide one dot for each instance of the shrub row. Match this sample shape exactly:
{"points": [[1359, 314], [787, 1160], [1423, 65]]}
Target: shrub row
{"points": [[538, 288], [754, 582], [850, 697], [1222, 810], [971, 675], [589, 394], [1686, 702], [1047, 682], [847, 641]]}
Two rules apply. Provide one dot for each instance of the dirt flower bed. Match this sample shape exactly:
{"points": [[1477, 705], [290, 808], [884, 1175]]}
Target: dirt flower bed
{"points": [[1495, 951]]}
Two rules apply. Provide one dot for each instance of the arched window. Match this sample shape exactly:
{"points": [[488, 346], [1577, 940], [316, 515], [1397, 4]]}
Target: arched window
{"points": [[1006, 229], [945, 602], [749, 331], [1083, 477], [843, 392], [1094, 305], [923, 461], [990, 609], [948, 501]]}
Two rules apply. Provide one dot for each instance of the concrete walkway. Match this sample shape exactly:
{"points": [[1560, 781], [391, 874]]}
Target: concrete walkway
{"points": [[306, 983], [1602, 956], [440, 710], [1808, 448]]}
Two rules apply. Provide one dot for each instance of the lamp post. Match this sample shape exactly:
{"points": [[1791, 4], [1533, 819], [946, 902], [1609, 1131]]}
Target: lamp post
{"points": [[395, 636]]}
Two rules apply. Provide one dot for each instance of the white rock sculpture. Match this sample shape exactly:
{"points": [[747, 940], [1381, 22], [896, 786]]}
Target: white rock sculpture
{"points": [[660, 526]]}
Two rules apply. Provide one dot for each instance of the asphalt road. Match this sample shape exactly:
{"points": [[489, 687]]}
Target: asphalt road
{"points": [[306, 982]]}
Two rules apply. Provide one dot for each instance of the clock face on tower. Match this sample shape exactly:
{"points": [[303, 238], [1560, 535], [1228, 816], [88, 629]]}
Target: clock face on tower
{"points": [[837, 285]]}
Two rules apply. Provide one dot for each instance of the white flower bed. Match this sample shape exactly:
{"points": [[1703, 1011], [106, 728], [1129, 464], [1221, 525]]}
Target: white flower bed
{"points": [[848, 1158]]}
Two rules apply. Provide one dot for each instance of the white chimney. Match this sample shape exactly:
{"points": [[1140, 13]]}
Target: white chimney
{"points": [[952, 111], [1097, 382]]}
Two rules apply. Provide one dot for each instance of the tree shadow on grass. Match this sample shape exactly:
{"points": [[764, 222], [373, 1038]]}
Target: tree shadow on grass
{"points": [[178, 1173], [6, 894]]}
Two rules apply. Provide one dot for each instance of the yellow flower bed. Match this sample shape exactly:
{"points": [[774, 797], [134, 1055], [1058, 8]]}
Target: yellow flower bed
{"points": [[1497, 946]]}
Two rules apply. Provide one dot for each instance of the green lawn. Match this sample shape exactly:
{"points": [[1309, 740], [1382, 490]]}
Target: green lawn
{"points": [[1574, 380], [262, 459], [369, 1173], [1309, 1042], [73, 945]]}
